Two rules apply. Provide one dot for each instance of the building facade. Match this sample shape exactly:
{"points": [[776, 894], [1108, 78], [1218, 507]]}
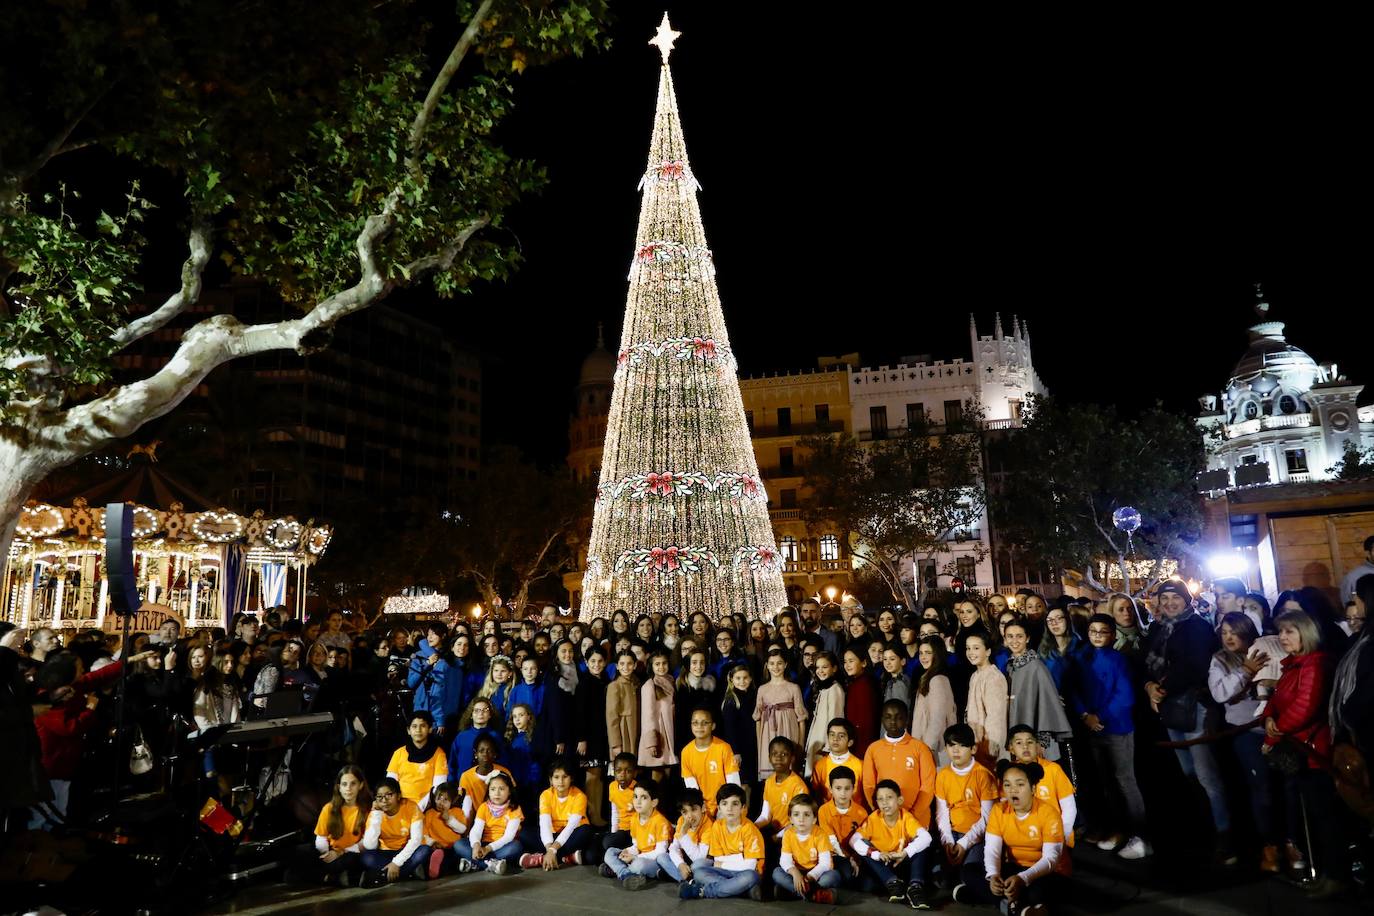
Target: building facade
{"points": [[1275, 435], [999, 379]]}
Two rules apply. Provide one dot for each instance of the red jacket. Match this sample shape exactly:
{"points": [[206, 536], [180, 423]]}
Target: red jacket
{"points": [[62, 728], [1298, 706]]}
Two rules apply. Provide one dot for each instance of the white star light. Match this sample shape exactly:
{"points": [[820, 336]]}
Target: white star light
{"points": [[664, 38]]}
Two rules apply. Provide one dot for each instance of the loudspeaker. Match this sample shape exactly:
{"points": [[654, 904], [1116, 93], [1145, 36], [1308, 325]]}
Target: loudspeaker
{"points": [[119, 559]]}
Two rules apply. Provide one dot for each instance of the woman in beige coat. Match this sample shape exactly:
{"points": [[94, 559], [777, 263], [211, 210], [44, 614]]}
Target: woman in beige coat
{"points": [[622, 709], [986, 713], [932, 698]]}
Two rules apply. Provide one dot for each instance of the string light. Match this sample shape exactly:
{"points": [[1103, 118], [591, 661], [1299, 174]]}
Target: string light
{"points": [[202, 529], [39, 521], [682, 524], [283, 533], [415, 604]]}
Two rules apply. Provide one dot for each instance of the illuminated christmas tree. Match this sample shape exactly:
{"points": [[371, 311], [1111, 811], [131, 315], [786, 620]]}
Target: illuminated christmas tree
{"points": [[681, 521]]}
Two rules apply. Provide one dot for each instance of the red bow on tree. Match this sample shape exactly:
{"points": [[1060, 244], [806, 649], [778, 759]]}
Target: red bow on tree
{"points": [[670, 170], [704, 347], [664, 558], [660, 484]]}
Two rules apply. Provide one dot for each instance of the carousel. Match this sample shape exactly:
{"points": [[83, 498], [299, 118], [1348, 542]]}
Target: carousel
{"points": [[198, 562]]}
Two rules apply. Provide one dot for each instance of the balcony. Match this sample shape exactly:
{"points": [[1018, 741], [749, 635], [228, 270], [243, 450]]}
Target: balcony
{"points": [[1250, 427], [796, 429], [775, 471], [814, 566], [1299, 477], [962, 535], [785, 515]]}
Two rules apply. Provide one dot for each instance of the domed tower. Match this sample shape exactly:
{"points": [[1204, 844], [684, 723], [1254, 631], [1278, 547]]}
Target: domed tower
{"points": [[1273, 377], [587, 426]]}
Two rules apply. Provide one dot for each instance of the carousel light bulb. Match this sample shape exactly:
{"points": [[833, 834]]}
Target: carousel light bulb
{"points": [[830, 593]]}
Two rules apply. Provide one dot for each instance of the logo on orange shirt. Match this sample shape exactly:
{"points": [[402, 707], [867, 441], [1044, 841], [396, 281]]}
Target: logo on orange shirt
{"points": [[1033, 831], [711, 765], [911, 763]]}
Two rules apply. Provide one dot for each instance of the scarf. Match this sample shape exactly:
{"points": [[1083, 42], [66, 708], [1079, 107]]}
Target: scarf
{"points": [[1127, 638], [567, 677], [421, 754], [1155, 661], [671, 642], [818, 686], [663, 686], [497, 810], [1017, 662]]}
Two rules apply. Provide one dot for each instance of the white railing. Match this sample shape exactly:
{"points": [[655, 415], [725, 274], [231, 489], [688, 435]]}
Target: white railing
{"points": [[1248, 427]]}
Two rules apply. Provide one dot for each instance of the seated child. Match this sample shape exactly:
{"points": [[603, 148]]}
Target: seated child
{"points": [[689, 838], [420, 765], [839, 818], [1053, 788], [493, 839], [892, 845], [563, 828], [472, 785], [779, 789], [443, 827], [391, 843], [1021, 853], [707, 762], [635, 866], [336, 854], [839, 736], [965, 792], [736, 851], [806, 866], [625, 767]]}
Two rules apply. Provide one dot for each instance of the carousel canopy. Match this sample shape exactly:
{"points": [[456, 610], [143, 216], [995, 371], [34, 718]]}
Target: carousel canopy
{"points": [[143, 483]]}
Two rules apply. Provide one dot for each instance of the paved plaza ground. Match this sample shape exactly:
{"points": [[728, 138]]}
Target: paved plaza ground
{"points": [[1102, 884]]}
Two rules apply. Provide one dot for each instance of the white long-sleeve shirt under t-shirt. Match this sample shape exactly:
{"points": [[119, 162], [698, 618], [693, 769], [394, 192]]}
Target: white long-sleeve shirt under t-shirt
{"points": [[322, 845], [453, 823], [546, 829], [974, 835], [824, 862], [922, 840], [992, 858], [479, 827], [683, 846], [373, 835]]}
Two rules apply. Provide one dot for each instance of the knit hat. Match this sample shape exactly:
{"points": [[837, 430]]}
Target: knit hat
{"points": [[1178, 588]]}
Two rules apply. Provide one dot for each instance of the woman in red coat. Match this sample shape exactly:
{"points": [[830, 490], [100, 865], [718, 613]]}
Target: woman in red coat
{"points": [[860, 697], [1296, 730]]}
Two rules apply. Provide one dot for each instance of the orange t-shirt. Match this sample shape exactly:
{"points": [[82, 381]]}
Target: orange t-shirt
{"points": [[908, 763], [396, 827], [560, 809], [887, 838], [820, 775], [647, 836], [622, 799], [436, 828], [417, 779], [841, 826], [709, 768], [779, 795], [965, 794], [806, 852], [494, 828], [1052, 788], [1024, 838], [353, 824], [696, 834], [475, 787], [745, 840]]}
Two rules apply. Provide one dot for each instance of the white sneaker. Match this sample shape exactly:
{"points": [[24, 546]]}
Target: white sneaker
{"points": [[496, 866], [1135, 848], [1108, 844]]}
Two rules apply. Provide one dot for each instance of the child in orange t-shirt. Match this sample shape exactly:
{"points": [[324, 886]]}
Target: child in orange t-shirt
{"points": [[779, 789], [563, 829], [336, 854], [443, 826], [965, 792], [689, 844], [892, 844], [636, 865], [1025, 841], [621, 793], [839, 737], [806, 865], [493, 838], [904, 760], [840, 818], [707, 762], [736, 849], [472, 783], [1053, 788]]}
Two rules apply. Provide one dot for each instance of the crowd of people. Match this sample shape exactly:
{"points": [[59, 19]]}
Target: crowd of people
{"points": [[971, 746]]}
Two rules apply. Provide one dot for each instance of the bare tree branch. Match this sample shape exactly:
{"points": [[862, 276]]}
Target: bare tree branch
{"points": [[441, 81], [191, 275]]}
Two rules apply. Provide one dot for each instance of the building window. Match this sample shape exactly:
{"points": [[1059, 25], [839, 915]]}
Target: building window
{"points": [[965, 568], [925, 569], [1251, 410], [1297, 460], [784, 421], [830, 547], [1288, 404], [877, 422], [823, 417], [788, 545], [954, 413], [785, 466], [749, 421], [1250, 459], [915, 416], [1244, 530], [789, 498], [1015, 407]]}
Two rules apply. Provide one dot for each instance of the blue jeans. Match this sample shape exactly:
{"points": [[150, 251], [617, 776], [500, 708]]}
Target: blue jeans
{"points": [[378, 859], [1198, 763], [642, 865], [912, 869], [511, 852], [1249, 751], [717, 882], [972, 870], [783, 880]]}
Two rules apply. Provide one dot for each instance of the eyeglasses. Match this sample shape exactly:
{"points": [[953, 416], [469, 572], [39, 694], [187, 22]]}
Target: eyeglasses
{"points": [[1099, 631], [382, 796]]}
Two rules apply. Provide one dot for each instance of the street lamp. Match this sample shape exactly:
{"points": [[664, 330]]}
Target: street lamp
{"points": [[830, 593]]}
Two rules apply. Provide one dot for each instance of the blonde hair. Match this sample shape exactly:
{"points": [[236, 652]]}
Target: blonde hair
{"points": [[1306, 627]]}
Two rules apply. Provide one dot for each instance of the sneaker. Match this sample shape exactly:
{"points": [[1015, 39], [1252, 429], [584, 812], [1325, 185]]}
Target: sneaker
{"points": [[635, 883], [436, 862], [962, 894], [605, 871], [1297, 862], [1269, 860], [916, 896], [466, 865], [1135, 848], [689, 890], [1110, 843], [497, 866], [823, 895], [574, 858], [1038, 909], [756, 892], [374, 879], [532, 860], [1226, 853], [896, 892]]}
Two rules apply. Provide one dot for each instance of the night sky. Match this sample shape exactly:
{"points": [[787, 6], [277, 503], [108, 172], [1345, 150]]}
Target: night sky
{"points": [[867, 182]]}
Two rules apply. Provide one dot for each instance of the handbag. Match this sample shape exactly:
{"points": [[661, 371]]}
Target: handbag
{"points": [[1288, 757], [140, 756], [1179, 710]]}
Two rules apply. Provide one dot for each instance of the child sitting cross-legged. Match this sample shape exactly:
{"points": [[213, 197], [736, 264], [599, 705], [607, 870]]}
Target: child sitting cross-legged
{"points": [[965, 792], [689, 844], [563, 828], [635, 866], [391, 842], [736, 852], [443, 827], [493, 840], [806, 867], [892, 844]]}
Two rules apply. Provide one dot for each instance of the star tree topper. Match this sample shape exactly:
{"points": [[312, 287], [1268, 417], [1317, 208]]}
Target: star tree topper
{"points": [[664, 38]]}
